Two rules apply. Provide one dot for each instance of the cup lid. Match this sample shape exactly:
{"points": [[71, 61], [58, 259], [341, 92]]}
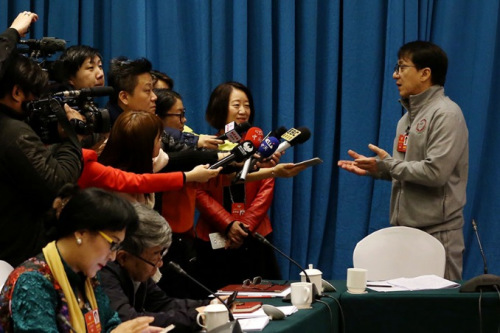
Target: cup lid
{"points": [[311, 271]]}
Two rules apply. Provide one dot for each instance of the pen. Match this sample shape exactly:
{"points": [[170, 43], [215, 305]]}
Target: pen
{"points": [[379, 285]]}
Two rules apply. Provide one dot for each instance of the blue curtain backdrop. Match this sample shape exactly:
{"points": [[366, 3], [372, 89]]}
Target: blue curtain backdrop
{"points": [[326, 65]]}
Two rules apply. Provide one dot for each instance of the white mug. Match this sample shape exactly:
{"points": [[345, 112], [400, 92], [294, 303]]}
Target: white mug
{"points": [[301, 294], [356, 280], [214, 316]]}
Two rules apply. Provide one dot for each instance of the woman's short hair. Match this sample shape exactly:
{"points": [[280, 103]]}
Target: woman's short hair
{"points": [[131, 142], [166, 98], [92, 209], [153, 230], [218, 105]]}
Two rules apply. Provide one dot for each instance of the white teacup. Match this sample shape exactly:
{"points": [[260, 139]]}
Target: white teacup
{"points": [[213, 316], [356, 280], [301, 294]]}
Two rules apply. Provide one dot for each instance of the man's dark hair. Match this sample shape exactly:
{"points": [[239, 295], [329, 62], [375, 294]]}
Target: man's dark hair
{"points": [[426, 54], [25, 73], [218, 105], [71, 60], [123, 75], [157, 75]]}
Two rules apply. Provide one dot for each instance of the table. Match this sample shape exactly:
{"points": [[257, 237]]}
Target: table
{"points": [[316, 320], [444, 310]]}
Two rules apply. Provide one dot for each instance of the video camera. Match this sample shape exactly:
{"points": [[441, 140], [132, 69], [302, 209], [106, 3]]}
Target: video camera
{"points": [[44, 119], [44, 47]]}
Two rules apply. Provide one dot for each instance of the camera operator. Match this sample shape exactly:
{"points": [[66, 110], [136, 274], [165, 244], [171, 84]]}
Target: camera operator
{"points": [[31, 173]]}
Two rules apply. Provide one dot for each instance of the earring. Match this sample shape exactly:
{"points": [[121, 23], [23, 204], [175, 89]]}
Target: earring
{"points": [[79, 241]]}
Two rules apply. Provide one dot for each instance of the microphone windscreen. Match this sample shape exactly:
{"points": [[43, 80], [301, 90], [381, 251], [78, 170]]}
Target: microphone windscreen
{"points": [[279, 132], [101, 91], [243, 127], [255, 135], [268, 146], [304, 135]]}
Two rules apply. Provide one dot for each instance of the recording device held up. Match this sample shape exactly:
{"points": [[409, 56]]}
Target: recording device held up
{"points": [[43, 118]]}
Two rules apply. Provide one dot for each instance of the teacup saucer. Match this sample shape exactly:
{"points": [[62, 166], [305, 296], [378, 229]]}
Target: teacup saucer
{"points": [[364, 292]]}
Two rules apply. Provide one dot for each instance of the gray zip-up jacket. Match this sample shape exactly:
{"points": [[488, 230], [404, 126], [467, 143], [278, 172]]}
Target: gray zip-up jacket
{"points": [[429, 180]]}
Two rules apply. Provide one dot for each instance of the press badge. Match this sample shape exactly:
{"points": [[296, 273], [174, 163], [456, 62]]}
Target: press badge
{"points": [[403, 141], [237, 209], [92, 321]]}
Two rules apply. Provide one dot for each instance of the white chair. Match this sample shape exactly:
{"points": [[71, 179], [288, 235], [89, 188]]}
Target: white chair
{"points": [[5, 269], [396, 252]]}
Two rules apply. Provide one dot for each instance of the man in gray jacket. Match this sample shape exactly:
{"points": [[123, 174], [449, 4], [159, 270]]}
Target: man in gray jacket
{"points": [[430, 158]]}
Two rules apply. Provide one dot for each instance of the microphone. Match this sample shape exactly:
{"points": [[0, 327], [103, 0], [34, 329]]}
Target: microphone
{"points": [[485, 266], [294, 136], [233, 131], [238, 154], [60, 317], [263, 240], [266, 148], [255, 135], [44, 46], [86, 92], [483, 282], [232, 325]]}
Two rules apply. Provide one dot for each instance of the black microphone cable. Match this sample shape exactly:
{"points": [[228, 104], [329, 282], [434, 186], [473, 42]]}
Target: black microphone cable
{"points": [[342, 318], [329, 311]]}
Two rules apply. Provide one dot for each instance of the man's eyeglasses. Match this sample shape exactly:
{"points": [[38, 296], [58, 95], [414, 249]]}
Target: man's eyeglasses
{"points": [[162, 254], [114, 246], [180, 115], [398, 67]]}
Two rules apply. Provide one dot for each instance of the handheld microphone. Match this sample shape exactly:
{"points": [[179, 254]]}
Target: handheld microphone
{"points": [[483, 282], [266, 148], [294, 136], [255, 135], [44, 46], [263, 240], [233, 131], [238, 154], [232, 325], [86, 92], [60, 317]]}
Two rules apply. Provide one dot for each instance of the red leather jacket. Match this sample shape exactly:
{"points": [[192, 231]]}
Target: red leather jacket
{"points": [[214, 218], [95, 174]]}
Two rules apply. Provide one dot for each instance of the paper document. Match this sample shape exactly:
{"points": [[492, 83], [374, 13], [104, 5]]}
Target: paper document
{"points": [[424, 282], [254, 324]]}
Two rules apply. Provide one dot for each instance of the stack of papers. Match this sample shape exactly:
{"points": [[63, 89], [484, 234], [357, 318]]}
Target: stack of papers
{"points": [[257, 320], [424, 282]]}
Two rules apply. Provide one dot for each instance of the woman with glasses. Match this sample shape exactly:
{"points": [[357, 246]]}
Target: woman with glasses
{"points": [[57, 291], [130, 281]]}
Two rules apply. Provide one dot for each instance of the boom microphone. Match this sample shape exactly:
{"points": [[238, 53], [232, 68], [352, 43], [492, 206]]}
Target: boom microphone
{"points": [[86, 92], [233, 325], [238, 154], [263, 240], [233, 131]]}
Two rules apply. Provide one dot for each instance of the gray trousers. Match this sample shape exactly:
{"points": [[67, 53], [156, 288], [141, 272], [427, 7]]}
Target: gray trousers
{"points": [[453, 242]]}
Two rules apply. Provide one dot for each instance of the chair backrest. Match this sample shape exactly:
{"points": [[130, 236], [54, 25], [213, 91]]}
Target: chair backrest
{"points": [[396, 252], [5, 269]]}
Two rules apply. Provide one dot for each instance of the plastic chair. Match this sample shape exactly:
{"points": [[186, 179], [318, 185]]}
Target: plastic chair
{"points": [[5, 269], [396, 252]]}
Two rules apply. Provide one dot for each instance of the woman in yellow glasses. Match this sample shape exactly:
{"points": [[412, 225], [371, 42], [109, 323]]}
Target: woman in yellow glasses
{"points": [[57, 291]]}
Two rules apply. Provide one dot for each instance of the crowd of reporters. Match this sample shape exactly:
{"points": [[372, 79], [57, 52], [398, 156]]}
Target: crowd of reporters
{"points": [[60, 235]]}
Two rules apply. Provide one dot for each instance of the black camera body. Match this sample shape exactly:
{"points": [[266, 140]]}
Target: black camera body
{"points": [[43, 118]]}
